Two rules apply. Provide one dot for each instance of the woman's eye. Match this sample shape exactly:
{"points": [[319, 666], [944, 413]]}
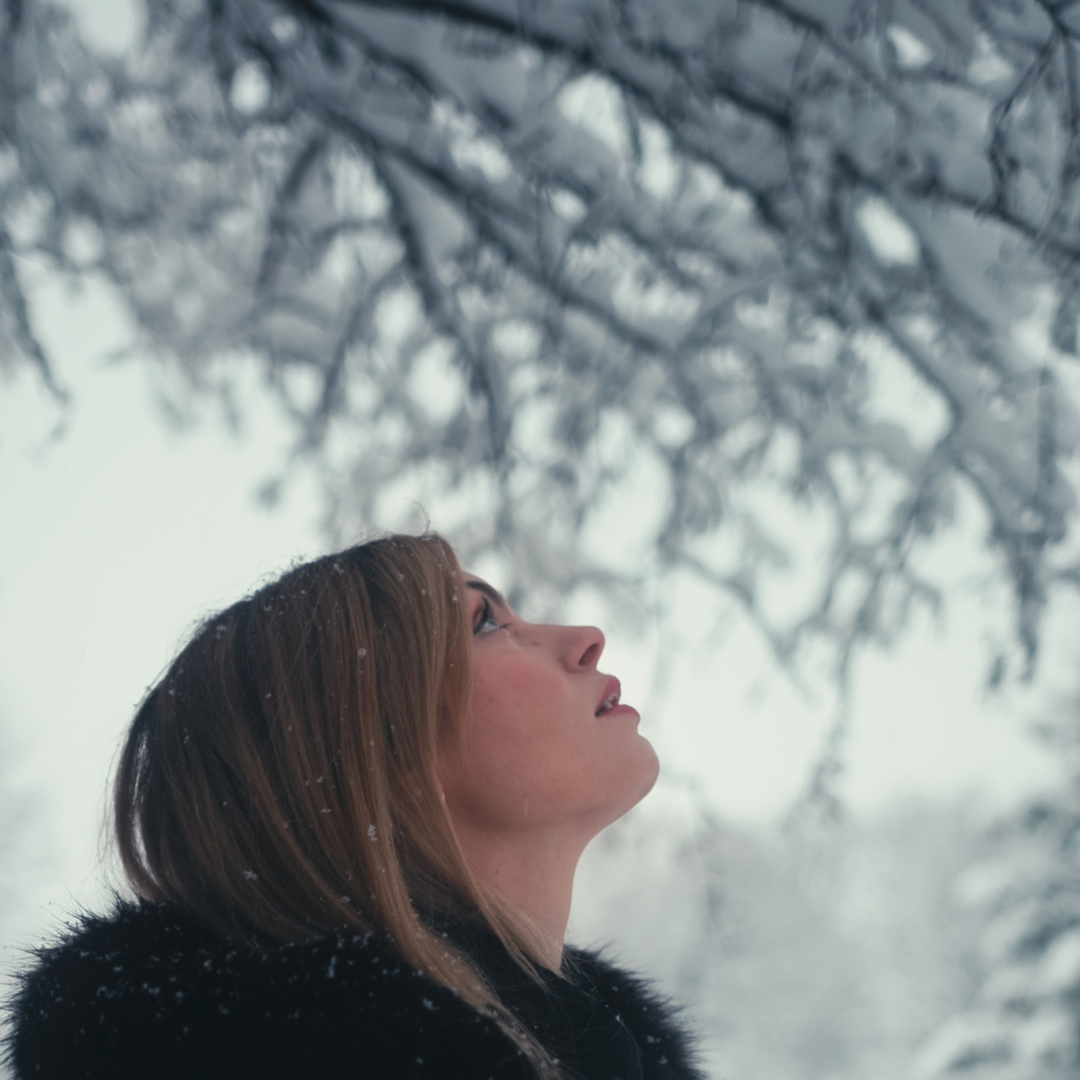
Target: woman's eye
{"points": [[485, 621]]}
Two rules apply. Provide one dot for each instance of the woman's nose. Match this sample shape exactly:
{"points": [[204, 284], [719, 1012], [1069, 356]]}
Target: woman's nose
{"points": [[583, 646]]}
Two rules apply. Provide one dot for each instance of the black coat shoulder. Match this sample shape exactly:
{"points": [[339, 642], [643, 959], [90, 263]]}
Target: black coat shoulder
{"points": [[654, 1020], [146, 992]]}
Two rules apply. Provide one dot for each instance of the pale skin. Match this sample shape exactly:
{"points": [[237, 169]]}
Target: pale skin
{"points": [[542, 763]]}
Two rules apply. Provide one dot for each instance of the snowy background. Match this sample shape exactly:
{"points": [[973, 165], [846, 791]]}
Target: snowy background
{"points": [[806, 944], [121, 532]]}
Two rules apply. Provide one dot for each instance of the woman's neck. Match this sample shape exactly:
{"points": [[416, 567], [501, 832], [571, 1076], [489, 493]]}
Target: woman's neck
{"points": [[535, 874]]}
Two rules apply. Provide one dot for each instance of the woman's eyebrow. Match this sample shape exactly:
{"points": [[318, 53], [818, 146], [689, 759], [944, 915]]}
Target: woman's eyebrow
{"points": [[489, 592]]}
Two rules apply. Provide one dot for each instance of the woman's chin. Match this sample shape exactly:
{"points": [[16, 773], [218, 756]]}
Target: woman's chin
{"points": [[651, 773], [639, 779]]}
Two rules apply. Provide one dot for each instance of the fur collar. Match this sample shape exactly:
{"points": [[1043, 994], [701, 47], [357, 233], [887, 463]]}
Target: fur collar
{"points": [[147, 992]]}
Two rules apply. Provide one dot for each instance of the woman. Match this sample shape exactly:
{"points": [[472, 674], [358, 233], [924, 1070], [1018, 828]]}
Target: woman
{"points": [[352, 809]]}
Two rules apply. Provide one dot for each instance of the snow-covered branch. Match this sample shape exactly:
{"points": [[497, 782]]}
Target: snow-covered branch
{"points": [[513, 257]]}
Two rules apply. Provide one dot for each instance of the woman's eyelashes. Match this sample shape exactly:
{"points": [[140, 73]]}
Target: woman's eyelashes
{"points": [[485, 620]]}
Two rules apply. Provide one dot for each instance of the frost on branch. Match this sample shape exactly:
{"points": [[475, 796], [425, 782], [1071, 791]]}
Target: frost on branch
{"points": [[513, 258]]}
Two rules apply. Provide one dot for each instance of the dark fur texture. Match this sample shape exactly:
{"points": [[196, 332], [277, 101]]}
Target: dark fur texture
{"points": [[148, 993]]}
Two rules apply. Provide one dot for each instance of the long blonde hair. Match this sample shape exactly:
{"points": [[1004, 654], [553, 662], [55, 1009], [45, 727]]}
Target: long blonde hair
{"points": [[280, 780]]}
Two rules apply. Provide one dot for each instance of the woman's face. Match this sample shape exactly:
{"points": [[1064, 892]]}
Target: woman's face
{"points": [[547, 744]]}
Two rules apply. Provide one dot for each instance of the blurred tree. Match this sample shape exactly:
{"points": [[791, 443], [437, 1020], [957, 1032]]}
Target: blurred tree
{"points": [[1022, 1022], [27, 854], [792, 973], [515, 259]]}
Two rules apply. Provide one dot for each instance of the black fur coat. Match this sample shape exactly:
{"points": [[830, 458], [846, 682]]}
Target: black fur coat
{"points": [[149, 993]]}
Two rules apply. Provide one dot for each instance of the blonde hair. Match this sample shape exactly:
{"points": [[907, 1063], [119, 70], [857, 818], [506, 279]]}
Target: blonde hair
{"points": [[279, 782]]}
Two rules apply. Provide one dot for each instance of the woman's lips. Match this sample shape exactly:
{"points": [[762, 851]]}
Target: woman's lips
{"points": [[610, 699], [609, 703]]}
